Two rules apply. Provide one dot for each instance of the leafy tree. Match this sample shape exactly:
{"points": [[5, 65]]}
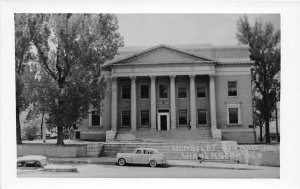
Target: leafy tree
{"points": [[71, 49], [264, 47], [23, 56]]}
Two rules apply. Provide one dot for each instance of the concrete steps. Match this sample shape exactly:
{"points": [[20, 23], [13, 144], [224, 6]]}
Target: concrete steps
{"points": [[165, 136]]}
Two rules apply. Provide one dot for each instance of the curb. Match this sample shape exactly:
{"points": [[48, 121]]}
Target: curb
{"points": [[168, 164]]}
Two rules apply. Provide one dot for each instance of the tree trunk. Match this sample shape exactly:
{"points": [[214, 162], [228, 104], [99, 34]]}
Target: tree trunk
{"points": [[260, 134], [42, 132], [60, 135], [277, 132], [60, 128], [267, 133], [18, 124]]}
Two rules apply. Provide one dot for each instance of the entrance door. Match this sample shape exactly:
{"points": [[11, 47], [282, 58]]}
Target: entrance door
{"points": [[163, 122]]}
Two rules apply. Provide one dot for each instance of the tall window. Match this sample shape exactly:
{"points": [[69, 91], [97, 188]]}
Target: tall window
{"points": [[144, 91], [145, 117], [232, 88], [125, 118], [182, 116], [163, 91], [125, 91], [202, 117], [95, 119], [182, 91], [201, 91], [233, 115]]}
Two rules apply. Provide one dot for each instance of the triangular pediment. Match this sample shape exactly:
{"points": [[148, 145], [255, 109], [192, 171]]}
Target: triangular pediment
{"points": [[160, 54]]}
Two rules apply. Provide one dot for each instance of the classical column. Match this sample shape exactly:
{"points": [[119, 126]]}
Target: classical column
{"points": [[193, 101], [133, 103], [173, 102], [114, 103], [216, 133], [153, 103]]}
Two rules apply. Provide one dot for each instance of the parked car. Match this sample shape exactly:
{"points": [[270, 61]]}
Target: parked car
{"points": [[41, 163], [149, 156]]}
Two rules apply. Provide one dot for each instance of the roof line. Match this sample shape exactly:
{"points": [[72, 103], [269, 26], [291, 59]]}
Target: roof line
{"points": [[155, 47]]}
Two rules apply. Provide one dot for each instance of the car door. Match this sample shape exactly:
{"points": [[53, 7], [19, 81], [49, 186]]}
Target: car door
{"points": [[146, 156], [136, 156]]}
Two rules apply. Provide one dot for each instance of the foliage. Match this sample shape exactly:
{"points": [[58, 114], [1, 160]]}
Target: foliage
{"points": [[31, 132], [264, 47], [23, 56], [71, 49]]}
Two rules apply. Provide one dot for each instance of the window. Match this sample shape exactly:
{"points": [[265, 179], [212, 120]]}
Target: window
{"points": [[163, 91], [232, 88], [182, 115], [182, 91], [21, 164], [126, 118], [95, 119], [125, 91], [201, 91], [202, 117], [139, 152], [233, 114], [145, 117], [144, 91]]}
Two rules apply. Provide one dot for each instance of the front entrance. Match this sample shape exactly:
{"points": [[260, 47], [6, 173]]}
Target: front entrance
{"points": [[163, 121]]}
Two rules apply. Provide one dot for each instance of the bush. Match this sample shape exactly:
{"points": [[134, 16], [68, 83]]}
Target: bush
{"points": [[31, 132]]}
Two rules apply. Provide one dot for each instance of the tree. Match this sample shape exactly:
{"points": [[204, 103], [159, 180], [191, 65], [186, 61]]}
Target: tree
{"points": [[264, 47], [71, 49], [22, 72]]}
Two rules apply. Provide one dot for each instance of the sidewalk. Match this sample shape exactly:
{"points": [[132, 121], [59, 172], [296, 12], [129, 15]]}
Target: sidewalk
{"points": [[170, 163]]}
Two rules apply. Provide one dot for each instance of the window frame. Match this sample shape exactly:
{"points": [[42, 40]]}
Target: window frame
{"points": [[122, 114], [237, 106], [205, 91], [92, 113], [206, 120], [163, 84], [141, 91], [236, 88], [178, 86], [148, 118], [123, 85], [187, 121]]}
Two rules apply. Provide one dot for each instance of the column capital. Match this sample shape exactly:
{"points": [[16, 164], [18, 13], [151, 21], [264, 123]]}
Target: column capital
{"points": [[172, 76], [152, 77], [113, 78], [212, 75], [132, 77], [192, 76]]}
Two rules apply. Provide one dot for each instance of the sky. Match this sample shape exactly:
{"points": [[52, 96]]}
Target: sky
{"points": [[182, 29]]}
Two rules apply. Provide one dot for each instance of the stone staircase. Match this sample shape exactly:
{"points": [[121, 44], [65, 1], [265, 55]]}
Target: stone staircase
{"points": [[165, 136], [172, 150]]}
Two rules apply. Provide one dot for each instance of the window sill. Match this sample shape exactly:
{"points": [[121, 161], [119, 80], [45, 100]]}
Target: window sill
{"points": [[233, 96], [202, 125], [234, 125]]}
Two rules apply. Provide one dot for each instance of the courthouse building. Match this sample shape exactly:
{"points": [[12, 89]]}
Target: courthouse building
{"points": [[168, 93]]}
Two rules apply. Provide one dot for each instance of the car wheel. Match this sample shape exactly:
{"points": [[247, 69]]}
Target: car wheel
{"points": [[121, 162], [153, 163]]}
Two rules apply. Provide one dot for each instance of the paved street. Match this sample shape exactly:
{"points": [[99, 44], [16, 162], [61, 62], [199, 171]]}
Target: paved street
{"points": [[113, 171]]}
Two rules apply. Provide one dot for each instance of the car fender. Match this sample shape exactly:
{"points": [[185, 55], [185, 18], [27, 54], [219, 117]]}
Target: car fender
{"points": [[158, 160]]}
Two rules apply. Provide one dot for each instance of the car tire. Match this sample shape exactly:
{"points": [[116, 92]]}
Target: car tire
{"points": [[121, 162], [153, 163]]}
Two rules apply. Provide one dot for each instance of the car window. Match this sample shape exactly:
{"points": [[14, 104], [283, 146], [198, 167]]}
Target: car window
{"points": [[33, 164], [138, 152], [20, 164]]}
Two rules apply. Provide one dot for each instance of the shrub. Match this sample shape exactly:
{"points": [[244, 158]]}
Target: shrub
{"points": [[31, 132]]}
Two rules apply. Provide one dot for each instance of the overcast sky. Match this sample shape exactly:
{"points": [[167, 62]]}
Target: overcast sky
{"points": [[178, 29]]}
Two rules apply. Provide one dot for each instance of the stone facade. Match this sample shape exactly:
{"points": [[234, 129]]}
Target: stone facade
{"points": [[164, 88]]}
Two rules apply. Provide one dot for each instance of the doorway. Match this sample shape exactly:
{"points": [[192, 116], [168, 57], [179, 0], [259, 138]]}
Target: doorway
{"points": [[163, 121]]}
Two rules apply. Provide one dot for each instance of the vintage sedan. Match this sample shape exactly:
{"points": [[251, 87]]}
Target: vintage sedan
{"points": [[41, 163], [149, 156]]}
